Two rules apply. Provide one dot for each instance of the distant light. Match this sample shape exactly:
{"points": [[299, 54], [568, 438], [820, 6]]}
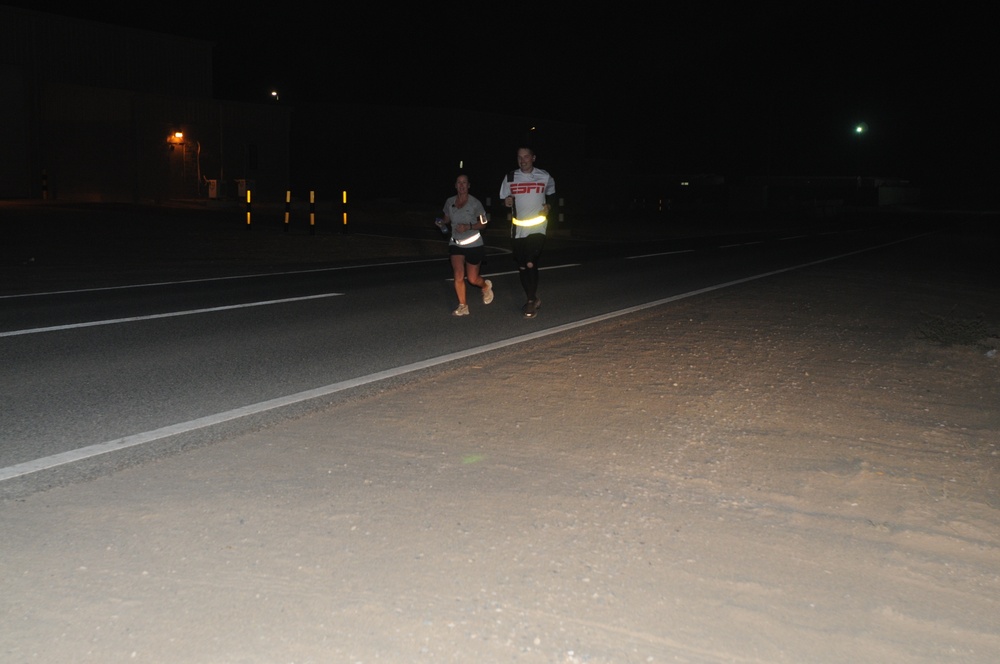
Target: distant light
{"points": [[274, 93], [860, 128], [178, 134]]}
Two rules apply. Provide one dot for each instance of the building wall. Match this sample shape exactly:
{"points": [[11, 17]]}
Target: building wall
{"points": [[62, 49], [15, 131], [92, 108]]}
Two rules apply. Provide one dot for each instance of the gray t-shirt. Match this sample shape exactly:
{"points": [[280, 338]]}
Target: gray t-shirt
{"points": [[468, 214]]}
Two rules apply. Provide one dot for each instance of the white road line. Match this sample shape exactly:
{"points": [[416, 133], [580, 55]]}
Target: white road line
{"points": [[55, 460], [497, 274], [228, 278], [255, 275], [662, 253], [190, 312]]}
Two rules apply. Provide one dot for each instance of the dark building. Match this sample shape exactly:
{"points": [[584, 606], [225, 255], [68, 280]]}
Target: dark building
{"points": [[98, 112], [91, 111]]}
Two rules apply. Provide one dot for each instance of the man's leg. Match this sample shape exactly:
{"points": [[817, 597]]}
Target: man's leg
{"points": [[535, 243], [529, 275], [519, 251]]}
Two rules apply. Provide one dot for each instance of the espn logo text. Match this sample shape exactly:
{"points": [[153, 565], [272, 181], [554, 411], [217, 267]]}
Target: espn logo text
{"points": [[527, 188]]}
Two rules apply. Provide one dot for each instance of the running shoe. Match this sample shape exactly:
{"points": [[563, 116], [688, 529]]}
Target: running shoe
{"points": [[488, 292], [531, 308], [463, 310]]}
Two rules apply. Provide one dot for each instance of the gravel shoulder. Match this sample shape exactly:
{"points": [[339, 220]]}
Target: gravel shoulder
{"points": [[794, 469]]}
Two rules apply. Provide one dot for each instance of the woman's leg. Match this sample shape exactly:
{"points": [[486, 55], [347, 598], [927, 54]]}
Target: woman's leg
{"points": [[473, 261], [458, 271], [472, 275]]}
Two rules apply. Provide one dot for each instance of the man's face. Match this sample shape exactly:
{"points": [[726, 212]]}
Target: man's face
{"points": [[525, 160]]}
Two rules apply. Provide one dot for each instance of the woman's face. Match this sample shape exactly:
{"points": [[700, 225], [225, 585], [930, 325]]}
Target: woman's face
{"points": [[462, 185]]}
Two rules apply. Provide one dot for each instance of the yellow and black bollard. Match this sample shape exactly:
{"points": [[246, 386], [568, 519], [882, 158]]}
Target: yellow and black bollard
{"points": [[288, 207], [248, 209], [343, 207], [312, 212]]}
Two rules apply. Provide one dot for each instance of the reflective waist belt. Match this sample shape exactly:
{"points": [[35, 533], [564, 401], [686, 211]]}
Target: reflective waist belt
{"points": [[534, 221], [468, 240]]}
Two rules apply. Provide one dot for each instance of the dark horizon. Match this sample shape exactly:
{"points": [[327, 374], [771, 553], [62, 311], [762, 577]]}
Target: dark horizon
{"points": [[703, 88]]}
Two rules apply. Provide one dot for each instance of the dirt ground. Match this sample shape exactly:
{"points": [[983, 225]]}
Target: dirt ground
{"points": [[796, 469]]}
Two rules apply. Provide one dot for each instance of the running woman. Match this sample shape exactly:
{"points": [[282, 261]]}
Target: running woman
{"points": [[467, 218]]}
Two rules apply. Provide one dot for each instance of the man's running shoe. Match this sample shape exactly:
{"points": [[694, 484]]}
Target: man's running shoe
{"points": [[488, 292], [463, 310], [531, 308]]}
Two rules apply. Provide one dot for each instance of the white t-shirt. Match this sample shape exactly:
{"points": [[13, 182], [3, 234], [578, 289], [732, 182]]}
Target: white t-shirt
{"points": [[529, 191]]}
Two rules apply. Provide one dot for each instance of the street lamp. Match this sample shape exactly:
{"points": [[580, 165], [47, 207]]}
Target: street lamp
{"points": [[860, 129], [274, 93]]}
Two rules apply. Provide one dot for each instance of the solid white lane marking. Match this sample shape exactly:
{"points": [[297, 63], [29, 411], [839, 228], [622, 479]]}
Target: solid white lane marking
{"points": [[498, 274], [171, 314], [662, 253], [180, 282], [257, 275]]}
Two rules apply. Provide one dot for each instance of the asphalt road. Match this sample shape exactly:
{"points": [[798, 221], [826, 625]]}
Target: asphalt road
{"points": [[109, 363]]}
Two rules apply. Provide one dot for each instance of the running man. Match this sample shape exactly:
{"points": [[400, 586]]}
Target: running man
{"points": [[525, 191]]}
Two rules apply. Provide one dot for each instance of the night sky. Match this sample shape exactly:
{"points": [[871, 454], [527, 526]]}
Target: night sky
{"points": [[694, 87]]}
